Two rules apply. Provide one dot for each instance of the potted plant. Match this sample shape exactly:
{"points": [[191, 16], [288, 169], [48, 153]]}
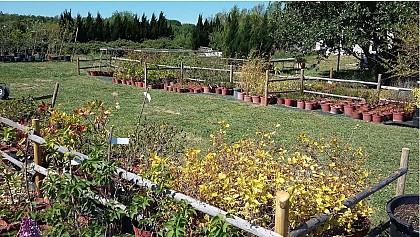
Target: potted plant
{"points": [[403, 212]]}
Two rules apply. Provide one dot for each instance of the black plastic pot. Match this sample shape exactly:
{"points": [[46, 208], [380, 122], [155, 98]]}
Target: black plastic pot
{"points": [[4, 91], [400, 228]]}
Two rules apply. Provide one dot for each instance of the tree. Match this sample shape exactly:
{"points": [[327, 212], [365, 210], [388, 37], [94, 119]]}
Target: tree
{"points": [[342, 25], [81, 36], [116, 25], [244, 35], [405, 63], [89, 27], [144, 26], [232, 25], [99, 28], [153, 28]]}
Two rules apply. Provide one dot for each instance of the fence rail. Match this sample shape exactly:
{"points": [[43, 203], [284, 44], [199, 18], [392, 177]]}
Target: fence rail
{"points": [[281, 200], [137, 180], [302, 78], [350, 202]]}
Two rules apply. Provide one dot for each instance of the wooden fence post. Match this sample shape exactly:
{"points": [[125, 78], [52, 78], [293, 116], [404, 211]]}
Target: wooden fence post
{"points": [[110, 61], [37, 156], [331, 72], [267, 77], [145, 75], [281, 224], [231, 73], [182, 70], [403, 164], [302, 78], [78, 66], [57, 85], [378, 88]]}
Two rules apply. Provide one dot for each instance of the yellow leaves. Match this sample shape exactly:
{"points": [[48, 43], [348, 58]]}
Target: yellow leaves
{"points": [[241, 177], [279, 179], [224, 124], [221, 176]]}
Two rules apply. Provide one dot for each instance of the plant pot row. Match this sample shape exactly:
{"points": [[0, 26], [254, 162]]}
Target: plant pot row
{"points": [[251, 99], [135, 83], [99, 73], [381, 112], [198, 89]]}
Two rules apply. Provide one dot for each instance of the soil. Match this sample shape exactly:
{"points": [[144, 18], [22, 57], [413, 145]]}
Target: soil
{"points": [[408, 213]]}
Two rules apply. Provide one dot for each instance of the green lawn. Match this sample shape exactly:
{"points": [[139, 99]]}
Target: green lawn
{"points": [[198, 114]]}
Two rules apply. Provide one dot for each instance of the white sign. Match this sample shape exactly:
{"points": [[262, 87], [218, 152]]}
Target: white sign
{"points": [[148, 97], [119, 140]]}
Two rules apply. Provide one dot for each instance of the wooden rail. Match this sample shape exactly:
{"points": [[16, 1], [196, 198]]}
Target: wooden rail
{"points": [[350, 202], [302, 90], [182, 67], [137, 180]]}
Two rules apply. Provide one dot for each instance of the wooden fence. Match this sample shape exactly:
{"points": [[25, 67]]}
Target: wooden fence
{"points": [[95, 63], [181, 67], [282, 198], [128, 176], [302, 78]]}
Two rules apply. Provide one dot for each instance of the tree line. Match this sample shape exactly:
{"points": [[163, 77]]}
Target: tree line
{"points": [[378, 28], [121, 25]]}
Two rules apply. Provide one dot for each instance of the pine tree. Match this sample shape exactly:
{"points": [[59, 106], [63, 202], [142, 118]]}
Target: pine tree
{"points": [[88, 26], [99, 28], [153, 30], [144, 25]]}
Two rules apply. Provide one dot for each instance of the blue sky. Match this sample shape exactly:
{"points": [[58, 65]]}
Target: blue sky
{"points": [[184, 11]]}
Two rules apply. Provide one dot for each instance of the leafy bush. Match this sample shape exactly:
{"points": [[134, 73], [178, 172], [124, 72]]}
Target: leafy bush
{"points": [[252, 76], [242, 178]]}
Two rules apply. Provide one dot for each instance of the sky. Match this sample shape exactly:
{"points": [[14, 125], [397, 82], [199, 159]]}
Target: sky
{"points": [[183, 11]]}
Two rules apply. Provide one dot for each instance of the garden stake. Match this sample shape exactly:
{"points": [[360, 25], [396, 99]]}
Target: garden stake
{"points": [[141, 111], [37, 156], [25, 170], [403, 164], [57, 85]]}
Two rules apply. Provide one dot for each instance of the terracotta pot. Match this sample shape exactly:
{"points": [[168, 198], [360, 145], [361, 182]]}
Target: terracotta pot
{"points": [[191, 90], [388, 116], [263, 100], [197, 89], [325, 107], [206, 89], [367, 116], [255, 99], [241, 96], [280, 101], [334, 109], [357, 115], [398, 116], [165, 87], [224, 91], [138, 232], [309, 105], [300, 104], [290, 102], [218, 90], [272, 100], [247, 98], [377, 118], [124, 81], [348, 109]]}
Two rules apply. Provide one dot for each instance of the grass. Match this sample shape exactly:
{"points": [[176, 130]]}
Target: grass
{"points": [[198, 115], [348, 68]]}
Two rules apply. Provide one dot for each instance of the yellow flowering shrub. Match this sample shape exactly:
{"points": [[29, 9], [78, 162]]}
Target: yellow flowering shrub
{"points": [[242, 178]]}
